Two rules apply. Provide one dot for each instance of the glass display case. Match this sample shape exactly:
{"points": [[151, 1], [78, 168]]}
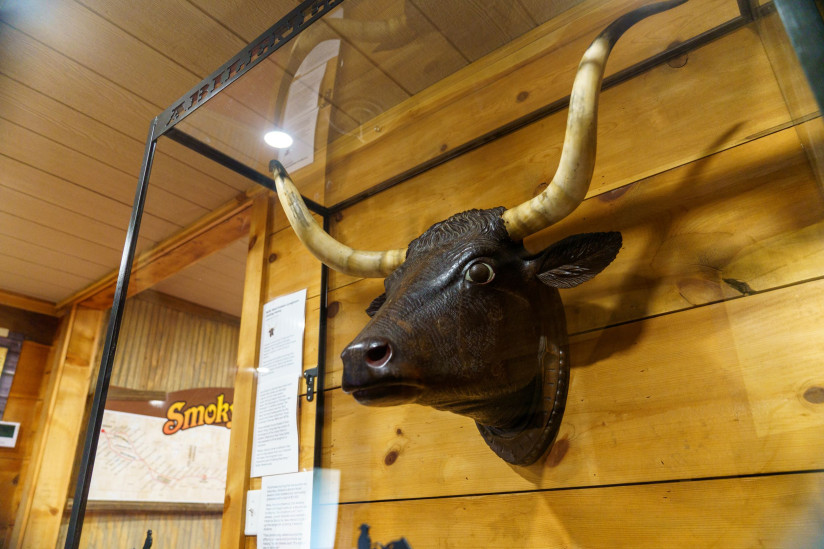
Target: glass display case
{"points": [[690, 365]]}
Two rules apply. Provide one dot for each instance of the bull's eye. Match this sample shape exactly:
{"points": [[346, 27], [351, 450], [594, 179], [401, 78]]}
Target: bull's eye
{"points": [[479, 273]]}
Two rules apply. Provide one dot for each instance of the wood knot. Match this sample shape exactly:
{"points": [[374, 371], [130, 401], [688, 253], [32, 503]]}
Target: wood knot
{"points": [[444, 147], [522, 96], [338, 217], [391, 457], [273, 258], [332, 309], [815, 395], [399, 432]]}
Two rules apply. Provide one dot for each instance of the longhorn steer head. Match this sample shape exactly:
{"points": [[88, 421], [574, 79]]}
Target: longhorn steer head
{"points": [[470, 322]]}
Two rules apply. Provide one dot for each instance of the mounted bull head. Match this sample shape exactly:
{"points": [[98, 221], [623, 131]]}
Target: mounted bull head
{"points": [[470, 322]]}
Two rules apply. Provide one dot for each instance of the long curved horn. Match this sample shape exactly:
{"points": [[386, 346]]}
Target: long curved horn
{"points": [[328, 250], [571, 181], [566, 191]]}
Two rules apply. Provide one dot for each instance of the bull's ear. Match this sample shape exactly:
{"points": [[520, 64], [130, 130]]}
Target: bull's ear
{"points": [[578, 258], [375, 305]]}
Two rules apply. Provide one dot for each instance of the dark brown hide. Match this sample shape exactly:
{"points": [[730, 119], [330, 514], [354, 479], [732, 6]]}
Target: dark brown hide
{"points": [[473, 324]]}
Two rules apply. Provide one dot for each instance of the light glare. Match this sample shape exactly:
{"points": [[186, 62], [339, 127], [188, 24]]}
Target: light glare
{"points": [[278, 139]]}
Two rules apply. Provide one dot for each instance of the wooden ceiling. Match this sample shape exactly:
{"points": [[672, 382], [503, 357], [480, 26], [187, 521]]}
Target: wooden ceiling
{"points": [[80, 81]]}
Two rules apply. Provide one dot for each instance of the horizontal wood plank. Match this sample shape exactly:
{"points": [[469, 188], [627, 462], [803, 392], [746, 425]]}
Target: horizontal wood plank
{"points": [[77, 199], [777, 511], [510, 170], [38, 306], [55, 239], [20, 249], [290, 266], [158, 24], [712, 391], [249, 22], [51, 73], [531, 72], [690, 237]]}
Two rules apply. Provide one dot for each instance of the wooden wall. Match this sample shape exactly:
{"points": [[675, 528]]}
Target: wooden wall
{"points": [[695, 410], [24, 406], [165, 345]]}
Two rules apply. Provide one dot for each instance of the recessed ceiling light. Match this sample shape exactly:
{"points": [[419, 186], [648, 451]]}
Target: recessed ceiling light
{"points": [[278, 139]]}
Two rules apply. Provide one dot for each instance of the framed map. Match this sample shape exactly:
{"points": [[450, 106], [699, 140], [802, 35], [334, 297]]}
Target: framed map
{"points": [[171, 451]]}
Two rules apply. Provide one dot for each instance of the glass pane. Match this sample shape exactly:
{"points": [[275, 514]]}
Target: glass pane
{"points": [[694, 406], [329, 88], [162, 455]]}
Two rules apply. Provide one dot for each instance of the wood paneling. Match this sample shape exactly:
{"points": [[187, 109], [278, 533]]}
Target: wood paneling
{"points": [[459, 26], [691, 237], [245, 383], [48, 479], [166, 346], [645, 114], [24, 404], [207, 236], [34, 319], [712, 391], [783, 511], [520, 78], [212, 281], [81, 81], [169, 529], [84, 153], [695, 354]]}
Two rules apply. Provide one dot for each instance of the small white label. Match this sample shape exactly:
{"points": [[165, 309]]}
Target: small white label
{"points": [[253, 512]]}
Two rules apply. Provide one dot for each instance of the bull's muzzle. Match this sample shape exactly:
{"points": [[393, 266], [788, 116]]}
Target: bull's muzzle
{"points": [[374, 374]]}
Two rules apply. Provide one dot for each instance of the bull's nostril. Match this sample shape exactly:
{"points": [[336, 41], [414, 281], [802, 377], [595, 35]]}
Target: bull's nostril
{"points": [[378, 354]]}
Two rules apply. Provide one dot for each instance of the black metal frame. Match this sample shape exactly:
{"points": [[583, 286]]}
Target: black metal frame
{"points": [[279, 34], [804, 22], [164, 124]]}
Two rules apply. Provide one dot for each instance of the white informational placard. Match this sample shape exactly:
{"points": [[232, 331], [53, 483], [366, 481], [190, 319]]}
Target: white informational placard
{"points": [[275, 442], [281, 336], [287, 511]]}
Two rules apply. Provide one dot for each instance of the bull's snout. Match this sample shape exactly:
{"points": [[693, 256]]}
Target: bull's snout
{"points": [[374, 375]]}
